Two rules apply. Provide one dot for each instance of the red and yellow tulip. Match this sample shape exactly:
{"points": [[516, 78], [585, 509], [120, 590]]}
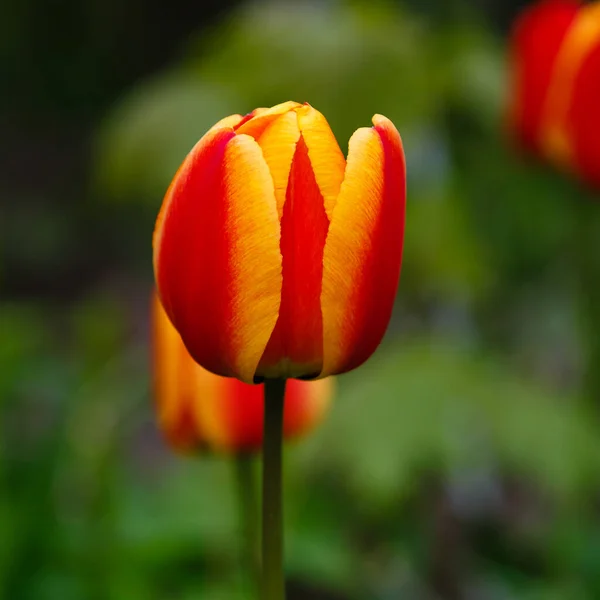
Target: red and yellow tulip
{"points": [[275, 256], [555, 60], [197, 409]]}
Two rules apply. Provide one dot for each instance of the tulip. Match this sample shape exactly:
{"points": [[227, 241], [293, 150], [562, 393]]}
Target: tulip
{"points": [[274, 256], [535, 43], [571, 128], [197, 409], [556, 72]]}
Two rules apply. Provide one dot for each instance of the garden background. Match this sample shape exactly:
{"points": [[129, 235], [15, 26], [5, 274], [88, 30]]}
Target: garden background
{"points": [[462, 462]]}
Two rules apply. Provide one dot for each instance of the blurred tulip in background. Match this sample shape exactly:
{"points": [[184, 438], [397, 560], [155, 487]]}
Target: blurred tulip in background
{"points": [[198, 410], [555, 62]]}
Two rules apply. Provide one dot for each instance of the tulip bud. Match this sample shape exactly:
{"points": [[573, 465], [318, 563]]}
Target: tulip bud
{"points": [[275, 257]]}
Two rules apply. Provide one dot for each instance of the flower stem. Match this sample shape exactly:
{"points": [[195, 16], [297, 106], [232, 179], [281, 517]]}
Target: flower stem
{"points": [[273, 582], [248, 516]]}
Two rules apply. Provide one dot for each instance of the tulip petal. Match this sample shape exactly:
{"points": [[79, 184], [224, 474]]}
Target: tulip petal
{"points": [[278, 143], [326, 157], [584, 117], [296, 348], [257, 121], [306, 403], [569, 135], [219, 222], [276, 131], [233, 414], [536, 41], [176, 378], [228, 122], [363, 251]]}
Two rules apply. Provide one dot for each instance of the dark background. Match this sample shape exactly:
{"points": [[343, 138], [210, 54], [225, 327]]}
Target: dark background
{"points": [[462, 462]]}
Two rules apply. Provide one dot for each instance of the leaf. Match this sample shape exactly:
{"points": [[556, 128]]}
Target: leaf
{"points": [[428, 402]]}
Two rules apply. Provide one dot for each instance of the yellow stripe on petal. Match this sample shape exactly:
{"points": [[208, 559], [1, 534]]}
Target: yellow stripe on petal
{"points": [[363, 251], [278, 143], [256, 262], [324, 153], [582, 37], [176, 377], [212, 410], [262, 119]]}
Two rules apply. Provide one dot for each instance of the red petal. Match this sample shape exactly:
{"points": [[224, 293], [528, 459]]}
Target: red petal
{"points": [[241, 410], [216, 254], [535, 43], [296, 345], [176, 378], [584, 118], [363, 251]]}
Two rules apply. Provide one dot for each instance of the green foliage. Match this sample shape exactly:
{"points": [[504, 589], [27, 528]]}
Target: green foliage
{"points": [[444, 255], [145, 139], [350, 47], [431, 402]]}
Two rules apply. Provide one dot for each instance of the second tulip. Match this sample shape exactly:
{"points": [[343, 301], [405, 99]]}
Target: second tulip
{"points": [[198, 410]]}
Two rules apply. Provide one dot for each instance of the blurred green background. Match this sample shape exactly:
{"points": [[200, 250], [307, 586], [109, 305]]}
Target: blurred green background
{"points": [[461, 463]]}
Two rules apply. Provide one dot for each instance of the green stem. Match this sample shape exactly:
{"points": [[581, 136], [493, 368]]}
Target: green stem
{"points": [[248, 510], [273, 582]]}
